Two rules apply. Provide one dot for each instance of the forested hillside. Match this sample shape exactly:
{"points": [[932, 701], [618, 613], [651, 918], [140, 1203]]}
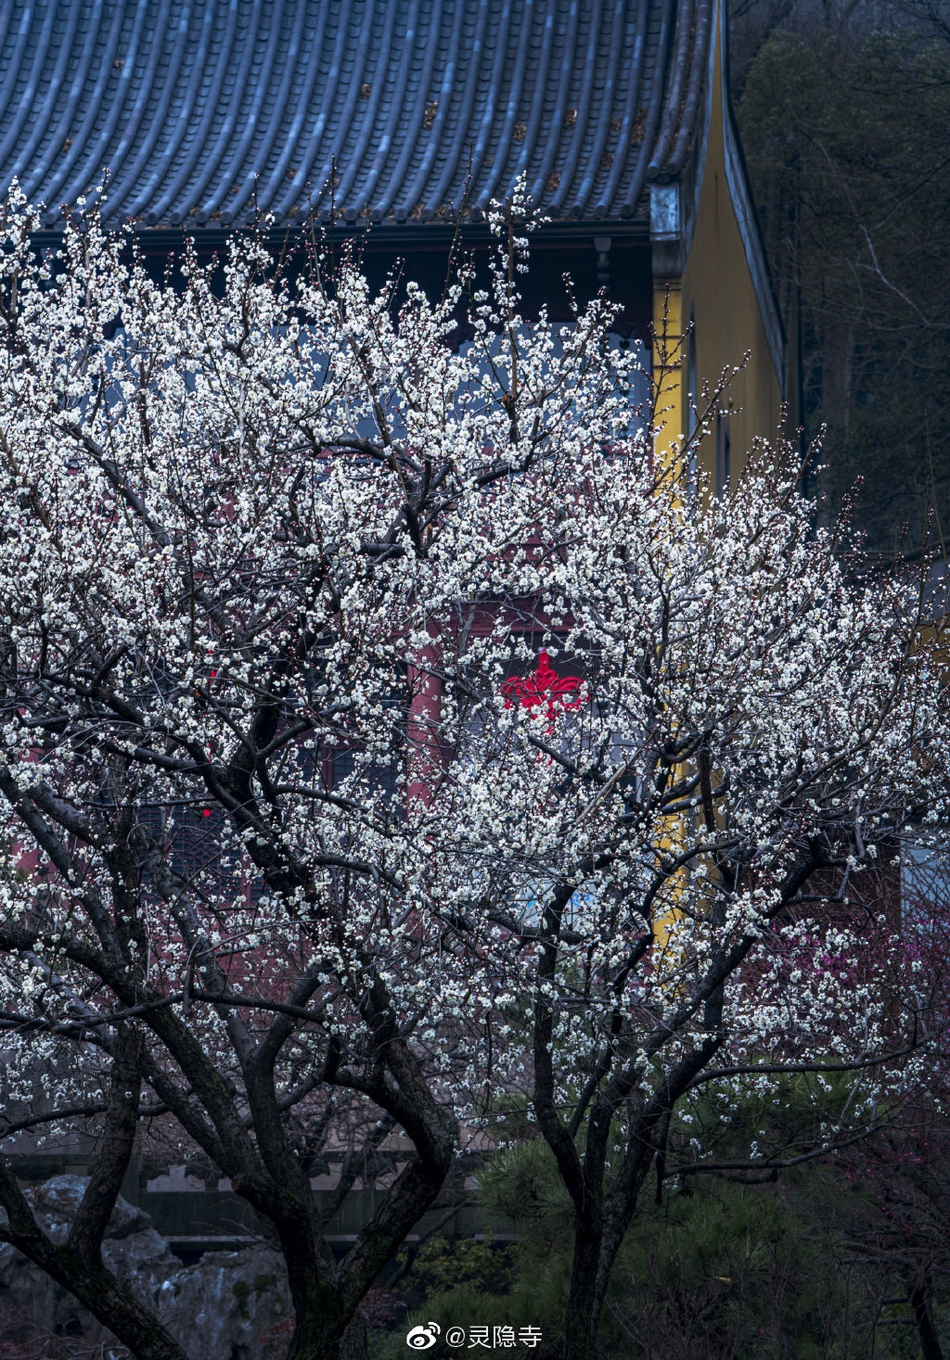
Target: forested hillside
{"points": [[844, 110]]}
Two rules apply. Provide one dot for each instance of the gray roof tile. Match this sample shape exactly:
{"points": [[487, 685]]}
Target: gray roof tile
{"points": [[200, 107]]}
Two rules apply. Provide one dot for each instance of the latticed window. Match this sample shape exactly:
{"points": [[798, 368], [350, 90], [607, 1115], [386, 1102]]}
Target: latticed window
{"points": [[192, 840]]}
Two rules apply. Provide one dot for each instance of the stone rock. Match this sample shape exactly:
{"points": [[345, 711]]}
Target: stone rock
{"points": [[57, 1202], [219, 1309], [22, 1285], [224, 1305]]}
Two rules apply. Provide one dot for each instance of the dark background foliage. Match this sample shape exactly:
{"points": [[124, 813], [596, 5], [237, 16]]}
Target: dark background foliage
{"points": [[844, 110], [823, 1262]]}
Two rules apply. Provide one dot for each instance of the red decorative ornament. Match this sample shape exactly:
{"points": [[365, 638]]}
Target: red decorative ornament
{"points": [[558, 693]]}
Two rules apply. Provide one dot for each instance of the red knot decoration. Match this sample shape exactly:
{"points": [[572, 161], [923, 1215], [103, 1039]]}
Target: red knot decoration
{"points": [[559, 693]]}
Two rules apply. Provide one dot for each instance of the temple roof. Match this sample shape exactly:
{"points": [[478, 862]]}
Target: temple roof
{"points": [[390, 110]]}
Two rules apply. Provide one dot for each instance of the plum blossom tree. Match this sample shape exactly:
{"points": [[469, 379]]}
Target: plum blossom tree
{"points": [[297, 819]]}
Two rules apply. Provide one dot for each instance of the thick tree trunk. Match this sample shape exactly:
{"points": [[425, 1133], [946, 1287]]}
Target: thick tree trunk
{"points": [[319, 1329], [323, 1335], [353, 1345], [595, 1252], [580, 1324], [920, 1301]]}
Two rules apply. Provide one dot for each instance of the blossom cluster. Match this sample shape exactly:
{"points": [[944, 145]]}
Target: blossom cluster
{"points": [[273, 558]]}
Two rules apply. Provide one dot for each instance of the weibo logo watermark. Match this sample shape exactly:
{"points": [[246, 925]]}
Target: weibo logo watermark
{"points": [[421, 1338]]}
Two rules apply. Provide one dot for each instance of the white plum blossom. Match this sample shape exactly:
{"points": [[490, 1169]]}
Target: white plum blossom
{"points": [[386, 733]]}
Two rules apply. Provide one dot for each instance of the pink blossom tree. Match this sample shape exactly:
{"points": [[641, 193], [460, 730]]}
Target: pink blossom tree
{"points": [[294, 815]]}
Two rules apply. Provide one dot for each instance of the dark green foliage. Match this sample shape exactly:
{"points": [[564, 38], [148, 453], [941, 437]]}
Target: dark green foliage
{"points": [[845, 129], [717, 1270], [733, 1271], [482, 1283], [471, 1263]]}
